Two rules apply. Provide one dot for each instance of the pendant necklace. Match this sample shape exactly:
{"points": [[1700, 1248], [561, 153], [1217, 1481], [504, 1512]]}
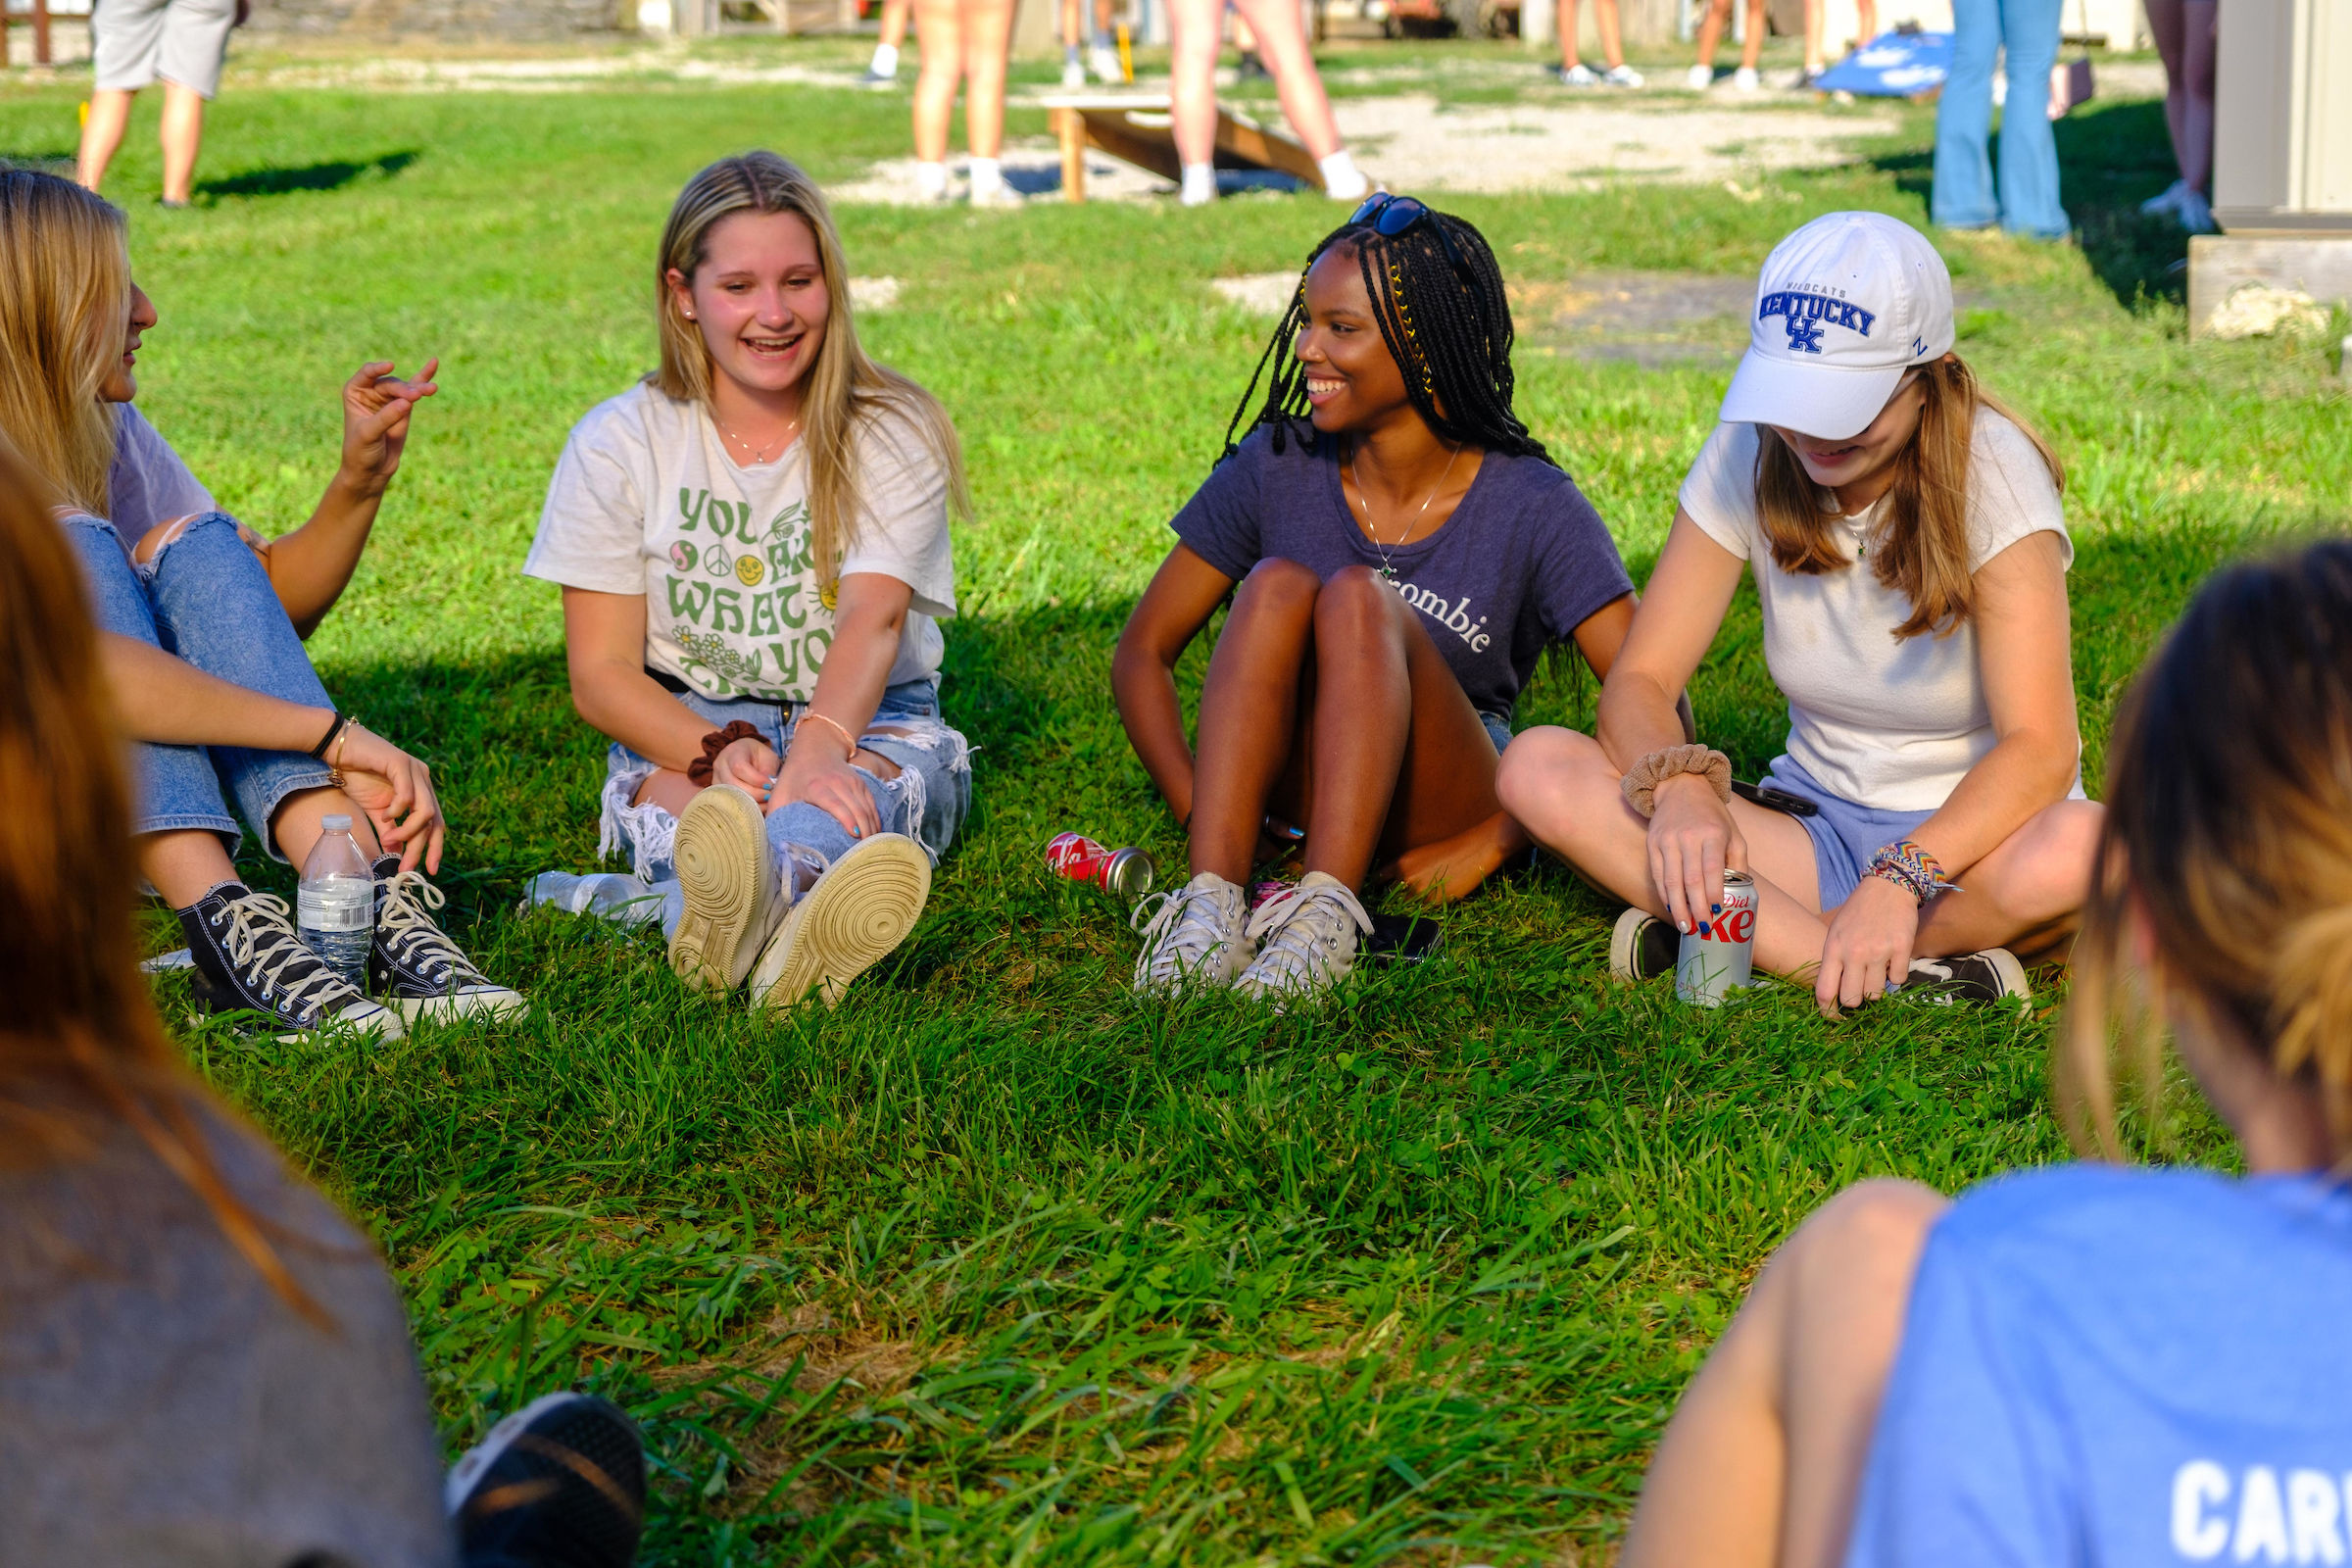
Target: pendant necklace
{"points": [[756, 457], [1363, 499]]}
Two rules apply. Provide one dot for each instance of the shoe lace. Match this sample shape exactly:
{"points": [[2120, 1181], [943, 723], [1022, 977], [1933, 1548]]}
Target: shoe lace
{"points": [[1300, 927], [262, 941], [1186, 925], [405, 925]]}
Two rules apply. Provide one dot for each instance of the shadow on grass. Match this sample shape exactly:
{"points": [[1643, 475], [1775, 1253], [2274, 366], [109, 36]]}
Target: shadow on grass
{"points": [[335, 175]]}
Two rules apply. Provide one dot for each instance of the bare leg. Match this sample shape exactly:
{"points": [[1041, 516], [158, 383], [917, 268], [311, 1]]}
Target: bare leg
{"points": [[102, 134], [1866, 20], [183, 864], [1753, 50], [1564, 789], [1282, 44], [1191, 77], [2168, 21], [1710, 30], [1566, 22], [1250, 714], [2197, 50], [987, 45], [1612, 41], [1814, 23], [2029, 892], [182, 137], [894, 22], [939, 35], [1762, 1462]]}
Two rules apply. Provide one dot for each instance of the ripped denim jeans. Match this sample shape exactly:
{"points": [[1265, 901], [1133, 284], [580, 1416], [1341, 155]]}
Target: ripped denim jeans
{"points": [[926, 802]]}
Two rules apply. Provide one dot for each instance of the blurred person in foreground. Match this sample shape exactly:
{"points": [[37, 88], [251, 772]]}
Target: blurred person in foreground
{"points": [[2092, 1364], [201, 1362]]}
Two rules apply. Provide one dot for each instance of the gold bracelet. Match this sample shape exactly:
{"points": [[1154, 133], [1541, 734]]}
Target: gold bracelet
{"points": [[811, 713], [335, 769]]}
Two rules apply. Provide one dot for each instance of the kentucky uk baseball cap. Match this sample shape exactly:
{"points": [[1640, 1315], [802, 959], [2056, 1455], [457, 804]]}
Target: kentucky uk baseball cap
{"points": [[1846, 305]]}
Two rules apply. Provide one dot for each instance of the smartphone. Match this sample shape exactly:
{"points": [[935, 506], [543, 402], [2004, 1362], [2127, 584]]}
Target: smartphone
{"points": [[1774, 799], [1404, 937]]}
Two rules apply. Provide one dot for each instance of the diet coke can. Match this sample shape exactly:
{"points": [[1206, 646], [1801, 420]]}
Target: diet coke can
{"points": [[1127, 873], [1719, 956]]}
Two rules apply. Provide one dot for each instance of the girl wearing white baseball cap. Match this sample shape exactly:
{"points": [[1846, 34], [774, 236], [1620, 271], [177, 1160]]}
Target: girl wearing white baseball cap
{"points": [[1910, 553]]}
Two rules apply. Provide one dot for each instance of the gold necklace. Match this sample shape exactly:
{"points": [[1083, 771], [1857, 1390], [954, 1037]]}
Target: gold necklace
{"points": [[759, 455], [1363, 499]]}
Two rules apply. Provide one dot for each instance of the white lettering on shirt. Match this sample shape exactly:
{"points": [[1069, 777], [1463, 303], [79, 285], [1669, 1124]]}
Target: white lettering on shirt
{"points": [[1455, 618], [2197, 1485], [2261, 1518], [2312, 1509]]}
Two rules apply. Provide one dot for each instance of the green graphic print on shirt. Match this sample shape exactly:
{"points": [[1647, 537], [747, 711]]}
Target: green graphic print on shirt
{"points": [[745, 610]]}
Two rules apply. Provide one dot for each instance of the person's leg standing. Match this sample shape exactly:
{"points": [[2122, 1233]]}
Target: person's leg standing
{"points": [[102, 135], [195, 43], [2029, 160], [1281, 42], [127, 38], [1193, 93], [939, 40], [987, 51], [2198, 52], [1962, 197]]}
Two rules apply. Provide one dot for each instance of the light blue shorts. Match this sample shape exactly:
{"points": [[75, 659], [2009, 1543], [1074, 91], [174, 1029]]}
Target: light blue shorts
{"points": [[1845, 835]]}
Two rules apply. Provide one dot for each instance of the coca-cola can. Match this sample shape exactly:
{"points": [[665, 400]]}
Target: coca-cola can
{"points": [[1127, 873], [1719, 956]]}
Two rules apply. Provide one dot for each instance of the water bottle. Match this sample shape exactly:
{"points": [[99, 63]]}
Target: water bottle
{"points": [[336, 905]]}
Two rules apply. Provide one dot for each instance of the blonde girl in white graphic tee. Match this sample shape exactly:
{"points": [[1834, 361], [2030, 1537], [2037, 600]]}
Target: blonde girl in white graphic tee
{"points": [[1908, 548], [753, 546]]}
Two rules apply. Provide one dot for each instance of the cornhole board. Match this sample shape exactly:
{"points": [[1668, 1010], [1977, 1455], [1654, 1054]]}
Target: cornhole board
{"points": [[1136, 129]]}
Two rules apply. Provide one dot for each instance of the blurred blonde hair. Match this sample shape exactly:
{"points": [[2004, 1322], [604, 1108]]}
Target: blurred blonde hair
{"points": [[81, 1050], [1921, 546], [2228, 837], [843, 392], [64, 305]]}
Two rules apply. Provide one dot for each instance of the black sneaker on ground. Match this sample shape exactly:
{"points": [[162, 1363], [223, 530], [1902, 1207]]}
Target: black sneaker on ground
{"points": [[1992, 975], [1642, 947], [415, 966], [247, 955], [562, 1480]]}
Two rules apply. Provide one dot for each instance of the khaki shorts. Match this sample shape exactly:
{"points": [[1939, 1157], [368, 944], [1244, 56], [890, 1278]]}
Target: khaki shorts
{"points": [[137, 42]]}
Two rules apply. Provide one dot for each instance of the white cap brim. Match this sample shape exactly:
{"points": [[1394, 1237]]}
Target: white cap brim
{"points": [[1827, 401]]}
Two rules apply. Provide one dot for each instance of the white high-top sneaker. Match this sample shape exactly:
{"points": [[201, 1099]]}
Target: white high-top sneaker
{"points": [[1306, 938], [1197, 936]]}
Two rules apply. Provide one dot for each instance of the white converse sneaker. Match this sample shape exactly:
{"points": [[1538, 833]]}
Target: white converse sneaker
{"points": [[1307, 938], [1624, 77], [1698, 79], [1196, 936], [850, 918], [733, 898]]}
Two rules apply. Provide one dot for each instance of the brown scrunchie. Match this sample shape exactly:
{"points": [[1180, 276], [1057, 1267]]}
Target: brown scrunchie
{"points": [[718, 741], [1641, 786]]}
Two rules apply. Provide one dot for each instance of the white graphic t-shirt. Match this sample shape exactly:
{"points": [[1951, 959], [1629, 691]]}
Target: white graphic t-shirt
{"points": [[646, 501]]}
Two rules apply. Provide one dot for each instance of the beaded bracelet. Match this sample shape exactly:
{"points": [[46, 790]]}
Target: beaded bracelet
{"points": [[1911, 868]]}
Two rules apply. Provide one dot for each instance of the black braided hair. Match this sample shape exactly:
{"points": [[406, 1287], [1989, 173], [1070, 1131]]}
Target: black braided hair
{"points": [[1439, 299]]}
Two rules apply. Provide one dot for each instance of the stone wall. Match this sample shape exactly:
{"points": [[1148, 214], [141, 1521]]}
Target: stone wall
{"points": [[441, 18]]}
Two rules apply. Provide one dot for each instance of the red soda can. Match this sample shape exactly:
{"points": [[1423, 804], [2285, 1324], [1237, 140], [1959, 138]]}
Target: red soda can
{"points": [[1719, 958], [1128, 873]]}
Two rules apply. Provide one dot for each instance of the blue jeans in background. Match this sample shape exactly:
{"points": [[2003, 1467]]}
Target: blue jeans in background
{"points": [[204, 599], [2029, 187]]}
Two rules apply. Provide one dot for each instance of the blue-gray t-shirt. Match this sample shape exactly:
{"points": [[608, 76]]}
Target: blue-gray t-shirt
{"points": [[2115, 1366], [1520, 565]]}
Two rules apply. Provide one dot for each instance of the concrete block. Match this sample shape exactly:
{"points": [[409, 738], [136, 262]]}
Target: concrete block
{"points": [[2219, 265]]}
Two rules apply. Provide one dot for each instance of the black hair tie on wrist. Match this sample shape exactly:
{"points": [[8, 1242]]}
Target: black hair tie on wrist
{"points": [[318, 752]]}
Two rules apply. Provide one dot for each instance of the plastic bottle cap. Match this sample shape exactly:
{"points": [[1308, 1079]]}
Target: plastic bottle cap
{"points": [[335, 824]]}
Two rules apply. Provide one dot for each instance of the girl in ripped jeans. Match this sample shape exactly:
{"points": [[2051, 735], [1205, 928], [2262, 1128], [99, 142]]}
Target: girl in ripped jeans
{"points": [[753, 547]]}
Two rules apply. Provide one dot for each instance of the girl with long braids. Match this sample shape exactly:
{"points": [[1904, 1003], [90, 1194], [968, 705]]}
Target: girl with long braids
{"points": [[1399, 550]]}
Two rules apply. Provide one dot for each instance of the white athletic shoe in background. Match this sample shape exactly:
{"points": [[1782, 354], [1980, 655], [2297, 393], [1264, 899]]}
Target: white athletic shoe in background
{"points": [[1197, 935], [1624, 77], [1745, 79], [1200, 187], [2169, 203], [1073, 74], [1698, 79], [1578, 75], [1106, 62], [2195, 213], [931, 182], [1343, 181]]}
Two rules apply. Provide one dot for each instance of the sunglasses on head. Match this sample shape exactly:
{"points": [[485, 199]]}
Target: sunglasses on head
{"points": [[1389, 215]]}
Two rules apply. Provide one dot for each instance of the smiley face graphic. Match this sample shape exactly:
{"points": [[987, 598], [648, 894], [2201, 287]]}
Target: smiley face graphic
{"points": [[749, 568]]}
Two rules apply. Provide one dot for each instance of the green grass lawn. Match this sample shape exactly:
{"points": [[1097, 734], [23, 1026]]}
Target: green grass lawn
{"points": [[995, 1265]]}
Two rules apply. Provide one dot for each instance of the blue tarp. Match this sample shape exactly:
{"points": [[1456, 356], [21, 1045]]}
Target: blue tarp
{"points": [[1893, 65]]}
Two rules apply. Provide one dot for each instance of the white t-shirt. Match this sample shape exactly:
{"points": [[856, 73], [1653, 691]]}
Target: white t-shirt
{"points": [[1892, 725], [148, 483], [646, 501]]}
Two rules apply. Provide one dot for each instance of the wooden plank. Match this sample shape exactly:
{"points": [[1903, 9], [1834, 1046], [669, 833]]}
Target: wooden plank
{"points": [[1071, 129], [1149, 148], [2219, 265], [1266, 150], [1110, 126]]}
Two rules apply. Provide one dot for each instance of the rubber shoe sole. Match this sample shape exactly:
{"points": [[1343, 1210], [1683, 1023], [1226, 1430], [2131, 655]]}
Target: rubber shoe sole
{"points": [[1642, 946], [730, 890], [856, 913], [480, 1001]]}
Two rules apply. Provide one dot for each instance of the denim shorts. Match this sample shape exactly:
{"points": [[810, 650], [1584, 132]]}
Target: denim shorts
{"points": [[926, 800], [1499, 730], [206, 599], [1845, 835]]}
